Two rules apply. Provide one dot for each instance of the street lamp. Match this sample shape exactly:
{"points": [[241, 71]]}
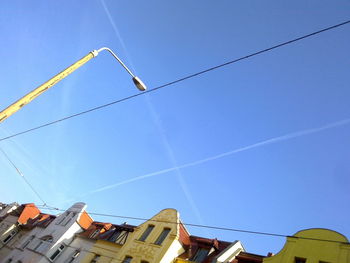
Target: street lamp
{"points": [[54, 80]]}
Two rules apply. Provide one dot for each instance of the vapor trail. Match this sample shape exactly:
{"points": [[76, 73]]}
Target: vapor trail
{"points": [[170, 152], [158, 123], [117, 33], [218, 156]]}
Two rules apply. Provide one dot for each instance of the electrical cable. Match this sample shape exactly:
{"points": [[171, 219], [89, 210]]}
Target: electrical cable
{"points": [[22, 175], [45, 206], [178, 80], [204, 226]]}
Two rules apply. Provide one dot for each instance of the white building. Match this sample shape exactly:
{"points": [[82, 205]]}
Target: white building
{"points": [[48, 239]]}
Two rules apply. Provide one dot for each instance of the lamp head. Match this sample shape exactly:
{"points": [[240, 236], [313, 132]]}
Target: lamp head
{"points": [[139, 84]]}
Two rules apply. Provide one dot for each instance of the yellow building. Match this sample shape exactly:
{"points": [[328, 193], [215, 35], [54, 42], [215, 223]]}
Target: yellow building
{"points": [[161, 239], [107, 240], [306, 247], [156, 240]]}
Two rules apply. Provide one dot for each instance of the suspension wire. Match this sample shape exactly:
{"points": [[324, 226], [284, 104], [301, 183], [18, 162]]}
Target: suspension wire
{"points": [[178, 80], [45, 206], [23, 177], [205, 226]]}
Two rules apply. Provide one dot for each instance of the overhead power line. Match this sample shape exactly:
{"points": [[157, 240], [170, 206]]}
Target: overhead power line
{"points": [[202, 226], [178, 80], [22, 176]]}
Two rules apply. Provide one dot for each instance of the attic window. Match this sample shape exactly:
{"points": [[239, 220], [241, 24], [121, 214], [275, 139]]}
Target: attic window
{"points": [[114, 236], [201, 254], [162, 236], [95, 233], [146, 233]]}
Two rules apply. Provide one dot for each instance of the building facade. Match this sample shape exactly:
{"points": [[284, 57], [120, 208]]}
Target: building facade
{"points": [[311, 246], [27, 235]]}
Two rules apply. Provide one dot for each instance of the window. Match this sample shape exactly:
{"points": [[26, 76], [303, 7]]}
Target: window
{"points": [[146, 233], [62, 218], [26, 243], [95, 259], [75, 255], [114, 236], [162, 236], [95, 233], [200, 255], [300, 260], [10, 236], [42, 245], [68, 218], [57, 252], [47, 239], [127, 259]]}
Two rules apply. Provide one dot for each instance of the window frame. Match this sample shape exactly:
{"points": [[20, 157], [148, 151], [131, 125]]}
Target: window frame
{"points": [[27, 242], [74, 256], [95, 233], [10, 236], [59, 251], [146, 233], [199, 254], [127, 259], [162, 236]]}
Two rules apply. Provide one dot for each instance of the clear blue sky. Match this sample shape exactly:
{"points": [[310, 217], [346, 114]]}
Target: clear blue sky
{"points": [[282, 186]]}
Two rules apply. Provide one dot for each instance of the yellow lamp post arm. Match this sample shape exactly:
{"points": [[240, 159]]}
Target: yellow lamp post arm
{"points": [[51, 82]]}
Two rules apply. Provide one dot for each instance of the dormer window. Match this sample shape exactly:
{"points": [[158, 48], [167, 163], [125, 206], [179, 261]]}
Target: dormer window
{"points": [[200, 255], [114, 236], [95, 233]]}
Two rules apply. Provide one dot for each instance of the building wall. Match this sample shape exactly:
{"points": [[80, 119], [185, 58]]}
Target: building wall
{"points": [[144, 250], [61, 229], [312, 250], [81, 244], [106, 249], [5, 209]]}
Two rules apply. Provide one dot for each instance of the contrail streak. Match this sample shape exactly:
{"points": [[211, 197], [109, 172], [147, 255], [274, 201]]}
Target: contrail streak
{"points": [[170, 152], [116, 31], [159, 126], [218, 156]]}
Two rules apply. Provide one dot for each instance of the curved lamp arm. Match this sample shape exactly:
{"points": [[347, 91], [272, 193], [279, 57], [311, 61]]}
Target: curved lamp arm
{"points": [[137, 81], [57, 78]]}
